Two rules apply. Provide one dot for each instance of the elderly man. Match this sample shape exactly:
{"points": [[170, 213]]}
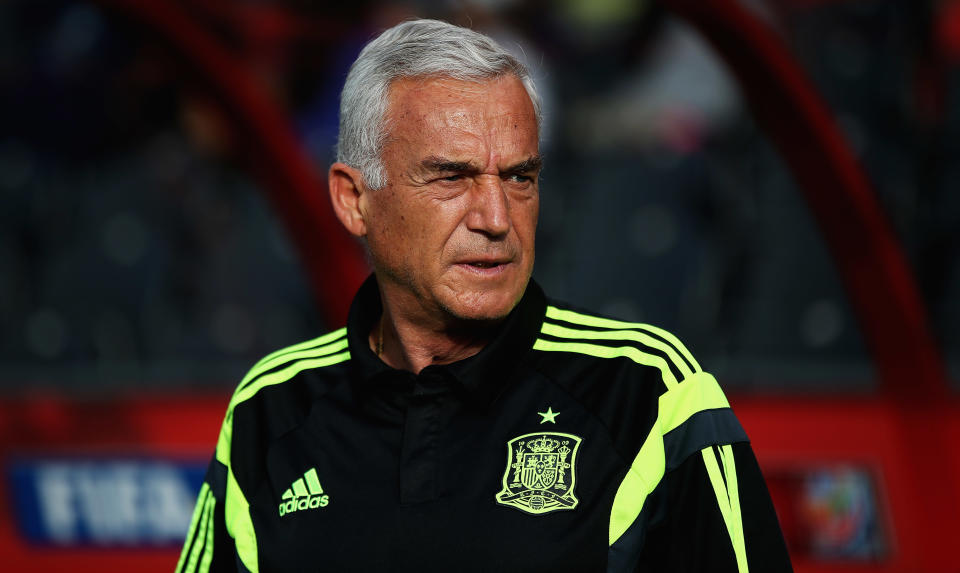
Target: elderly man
{"points": [[460, 421]]}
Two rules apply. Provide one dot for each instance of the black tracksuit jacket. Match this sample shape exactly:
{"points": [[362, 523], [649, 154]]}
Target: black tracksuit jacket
{"points": [[570, 443]]}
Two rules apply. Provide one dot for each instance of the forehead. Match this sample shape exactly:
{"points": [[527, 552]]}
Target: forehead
{"points": [[435, 110]]}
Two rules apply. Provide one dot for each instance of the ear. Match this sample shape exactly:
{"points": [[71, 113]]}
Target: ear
{"points": [[346, 186]]}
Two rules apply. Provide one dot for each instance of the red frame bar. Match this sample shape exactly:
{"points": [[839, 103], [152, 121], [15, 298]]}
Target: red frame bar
{"points": [[333, 260]]}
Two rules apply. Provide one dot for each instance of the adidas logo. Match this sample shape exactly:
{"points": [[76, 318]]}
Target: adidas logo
{"points": [[305, 493]]}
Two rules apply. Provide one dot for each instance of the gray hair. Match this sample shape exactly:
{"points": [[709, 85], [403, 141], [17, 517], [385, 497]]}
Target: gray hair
{"points": [[416, 48]]}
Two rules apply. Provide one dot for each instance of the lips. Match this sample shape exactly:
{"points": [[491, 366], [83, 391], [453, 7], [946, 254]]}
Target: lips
{"points": [[484, 266], [485, 262]]}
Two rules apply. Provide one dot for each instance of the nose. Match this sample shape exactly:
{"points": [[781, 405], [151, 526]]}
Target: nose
{"points": [[489, 210]]}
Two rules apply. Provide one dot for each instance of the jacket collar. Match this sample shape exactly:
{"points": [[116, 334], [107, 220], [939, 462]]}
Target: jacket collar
{"points": [[482, 376]]}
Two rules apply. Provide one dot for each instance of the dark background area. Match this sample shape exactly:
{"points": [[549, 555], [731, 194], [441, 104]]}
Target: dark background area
{"points": [[136, 247]]}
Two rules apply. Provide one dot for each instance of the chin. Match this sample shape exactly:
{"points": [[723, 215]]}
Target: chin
{"points": [[485, 306]]}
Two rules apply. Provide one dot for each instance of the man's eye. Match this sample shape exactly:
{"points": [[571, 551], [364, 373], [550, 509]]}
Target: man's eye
{"points": [[517, 178], [453, 178]]}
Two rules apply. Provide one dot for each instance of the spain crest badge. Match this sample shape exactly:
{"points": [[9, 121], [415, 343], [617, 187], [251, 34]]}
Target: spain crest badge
{"points": [[541, 473]]}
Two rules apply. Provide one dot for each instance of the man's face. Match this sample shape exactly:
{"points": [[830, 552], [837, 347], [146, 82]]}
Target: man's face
{"points": [[452, 233]]}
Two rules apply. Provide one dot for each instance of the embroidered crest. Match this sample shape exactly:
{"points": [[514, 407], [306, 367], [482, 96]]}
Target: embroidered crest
{"points": [[540, 472]]}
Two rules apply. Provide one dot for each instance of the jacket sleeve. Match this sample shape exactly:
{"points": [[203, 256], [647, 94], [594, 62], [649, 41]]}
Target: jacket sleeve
{"points": [[714, 514], [208, 547], [693, 498], [221, 535]]}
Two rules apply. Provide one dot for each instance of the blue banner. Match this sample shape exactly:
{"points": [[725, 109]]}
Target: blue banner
{"points": [[106, 502]]}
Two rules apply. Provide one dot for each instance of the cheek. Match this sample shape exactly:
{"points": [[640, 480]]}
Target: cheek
{"points": [[384, 228], [525, 220], [438, 227], [388, 218], [407, 236], [415, 233]]}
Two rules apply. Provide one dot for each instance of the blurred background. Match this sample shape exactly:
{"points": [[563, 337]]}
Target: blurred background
{"points": [[769, 179]]}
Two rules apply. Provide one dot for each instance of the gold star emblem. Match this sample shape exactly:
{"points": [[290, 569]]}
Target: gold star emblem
{"points": [[549, 416]]}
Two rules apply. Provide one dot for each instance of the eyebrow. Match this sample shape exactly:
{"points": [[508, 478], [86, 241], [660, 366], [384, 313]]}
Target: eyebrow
{"points": [[441, 164], [529, 164]]}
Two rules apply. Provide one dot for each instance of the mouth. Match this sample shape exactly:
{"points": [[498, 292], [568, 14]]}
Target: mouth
{"points": [[484, 267]]}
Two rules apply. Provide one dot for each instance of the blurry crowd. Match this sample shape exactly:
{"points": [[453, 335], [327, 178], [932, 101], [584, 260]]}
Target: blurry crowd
{"points": [[138, 249]]}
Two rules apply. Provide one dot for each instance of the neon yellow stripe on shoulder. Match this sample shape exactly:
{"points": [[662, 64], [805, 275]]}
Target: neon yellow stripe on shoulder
{"points": [[314, 352], [225, 439], [303, 346], [632, 335], [698, 393], [610, 352], [245, 393], [599, 322]]}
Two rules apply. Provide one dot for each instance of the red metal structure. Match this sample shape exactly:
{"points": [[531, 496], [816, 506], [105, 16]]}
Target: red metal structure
{"points": [[332, 259], [914, 396]]}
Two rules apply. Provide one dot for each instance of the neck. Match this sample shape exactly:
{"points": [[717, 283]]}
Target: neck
{"points": [[410, 345]]}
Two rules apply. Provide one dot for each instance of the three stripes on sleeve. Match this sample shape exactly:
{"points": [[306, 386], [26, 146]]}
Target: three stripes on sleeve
{"points": [[689, 392], [198, 551]]}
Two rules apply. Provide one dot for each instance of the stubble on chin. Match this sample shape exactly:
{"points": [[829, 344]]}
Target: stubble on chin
{"points": [[481, 307]]}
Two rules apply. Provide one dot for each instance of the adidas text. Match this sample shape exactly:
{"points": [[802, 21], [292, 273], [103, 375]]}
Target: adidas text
{"points": [[312, 502]]}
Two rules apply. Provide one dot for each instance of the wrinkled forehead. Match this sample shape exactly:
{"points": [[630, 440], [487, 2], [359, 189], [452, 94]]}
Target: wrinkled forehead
{"points": [[438, 102]]}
